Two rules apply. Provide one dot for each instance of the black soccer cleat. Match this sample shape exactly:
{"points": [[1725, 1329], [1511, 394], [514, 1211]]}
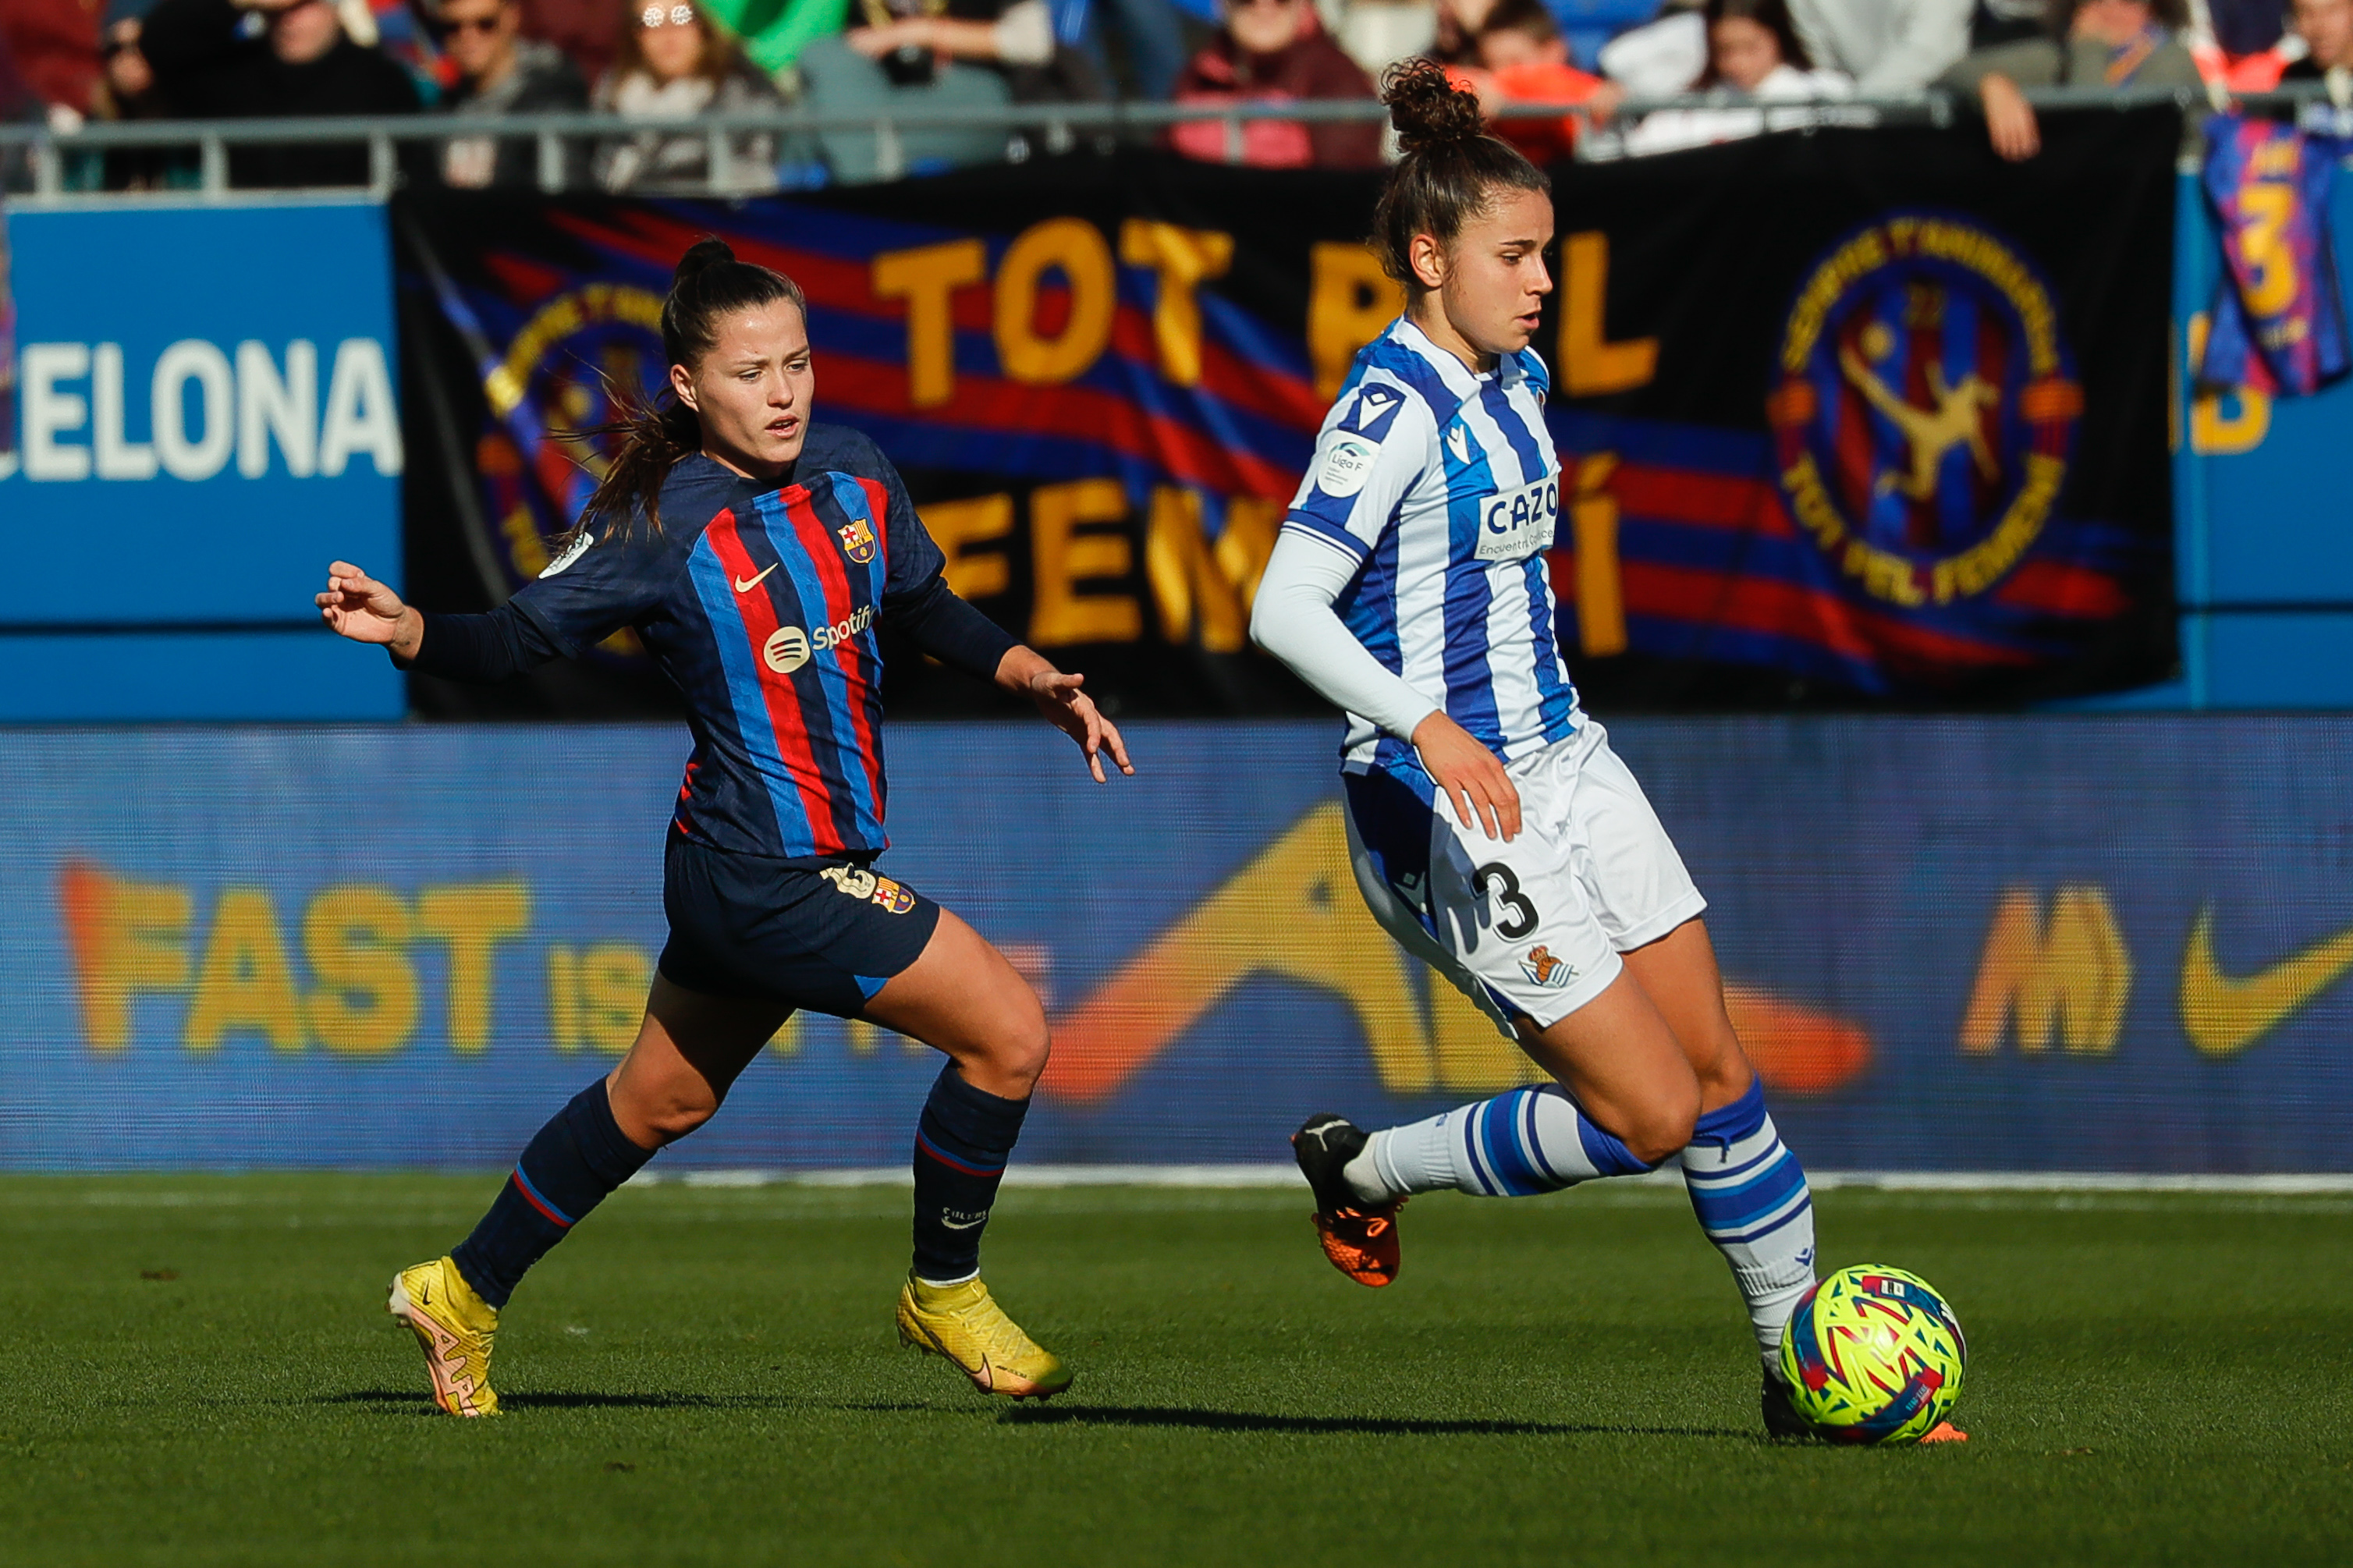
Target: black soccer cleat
{"points": [[1324, 1145], [1781, 1417], [1359, 1238]]}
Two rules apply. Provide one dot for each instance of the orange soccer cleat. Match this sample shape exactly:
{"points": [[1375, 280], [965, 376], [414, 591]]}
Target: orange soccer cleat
{"points": [[1360, 1238]]}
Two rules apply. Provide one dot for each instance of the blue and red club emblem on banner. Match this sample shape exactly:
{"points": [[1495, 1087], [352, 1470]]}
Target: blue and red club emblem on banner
{"points": [[1924, 409]]}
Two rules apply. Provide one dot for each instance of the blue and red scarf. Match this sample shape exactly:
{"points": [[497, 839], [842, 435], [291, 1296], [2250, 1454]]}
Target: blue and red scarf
{"points": [[2125, 59]]}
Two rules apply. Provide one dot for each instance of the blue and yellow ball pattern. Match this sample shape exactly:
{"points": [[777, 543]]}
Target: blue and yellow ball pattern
{"points": [[1874, 1354]]}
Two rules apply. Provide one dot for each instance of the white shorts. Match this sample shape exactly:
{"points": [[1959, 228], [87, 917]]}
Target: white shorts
{"points": [[1534, 926]]}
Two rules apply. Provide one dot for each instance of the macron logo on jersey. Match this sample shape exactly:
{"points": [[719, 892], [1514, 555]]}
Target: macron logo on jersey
{"points": [[1376, 408]]}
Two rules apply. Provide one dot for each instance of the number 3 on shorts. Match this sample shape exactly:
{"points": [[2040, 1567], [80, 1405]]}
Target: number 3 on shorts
{"points": [[1524, 913]]}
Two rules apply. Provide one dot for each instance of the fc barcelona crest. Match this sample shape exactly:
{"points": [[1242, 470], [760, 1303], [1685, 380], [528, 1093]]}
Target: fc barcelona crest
{"points": [[857, 540]]}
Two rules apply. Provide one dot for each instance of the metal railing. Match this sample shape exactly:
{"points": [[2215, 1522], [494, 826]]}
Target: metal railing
{"points": [[48, 152]]}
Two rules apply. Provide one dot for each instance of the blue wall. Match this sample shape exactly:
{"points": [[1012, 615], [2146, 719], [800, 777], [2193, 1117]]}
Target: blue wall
{"points": [[207, 414], [1951, 943]]}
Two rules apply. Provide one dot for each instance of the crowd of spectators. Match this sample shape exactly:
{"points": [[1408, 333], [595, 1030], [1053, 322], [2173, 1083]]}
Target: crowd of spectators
{"points": [[931, 62]]}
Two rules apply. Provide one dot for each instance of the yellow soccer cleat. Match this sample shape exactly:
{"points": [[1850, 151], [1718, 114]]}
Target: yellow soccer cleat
{"points": [[455, 1328], [963, 1324]]}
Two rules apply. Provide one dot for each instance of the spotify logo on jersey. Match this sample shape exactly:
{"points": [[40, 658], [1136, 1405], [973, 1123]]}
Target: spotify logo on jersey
{"points": [[789, 647], [786, 651]]}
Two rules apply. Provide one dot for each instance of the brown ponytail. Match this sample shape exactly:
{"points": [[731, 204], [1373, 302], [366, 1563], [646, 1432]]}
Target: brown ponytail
{"points": [[1451, 170], [709, 285]]}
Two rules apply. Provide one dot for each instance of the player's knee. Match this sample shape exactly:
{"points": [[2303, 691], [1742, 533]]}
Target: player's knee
{"points": [[1021, 1053], [1006, 1053], [679, 1121], [1663, 1130], [671, 1115], [1722, 1068]]}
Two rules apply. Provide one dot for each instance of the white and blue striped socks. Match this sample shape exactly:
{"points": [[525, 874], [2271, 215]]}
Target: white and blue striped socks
{"points": [[1746, 1189], [1529, 1140], [1752, 1200]]}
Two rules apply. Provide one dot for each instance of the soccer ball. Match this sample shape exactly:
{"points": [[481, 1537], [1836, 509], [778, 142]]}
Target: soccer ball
{"points": [[1874, 1356]]}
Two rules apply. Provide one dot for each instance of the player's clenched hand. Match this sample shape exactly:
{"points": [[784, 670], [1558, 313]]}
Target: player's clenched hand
{"points": [[358, 607], [1472, 775]]}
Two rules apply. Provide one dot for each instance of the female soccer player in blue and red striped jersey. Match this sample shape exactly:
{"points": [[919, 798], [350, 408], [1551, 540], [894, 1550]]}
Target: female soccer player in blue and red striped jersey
{"points": [[754, 551]]}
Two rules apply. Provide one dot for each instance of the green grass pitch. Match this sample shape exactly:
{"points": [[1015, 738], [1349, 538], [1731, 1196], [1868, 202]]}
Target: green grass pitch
{"points": [[200, 1372]]}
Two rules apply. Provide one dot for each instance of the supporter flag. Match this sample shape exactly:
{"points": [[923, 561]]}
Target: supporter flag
{"points": [[2278, 318], [1847, 415], [1869, 412]]}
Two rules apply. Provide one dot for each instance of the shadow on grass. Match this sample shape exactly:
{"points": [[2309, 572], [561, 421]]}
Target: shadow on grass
{"points": [[410, 1402], [391, 1402], [1373, 1426]]}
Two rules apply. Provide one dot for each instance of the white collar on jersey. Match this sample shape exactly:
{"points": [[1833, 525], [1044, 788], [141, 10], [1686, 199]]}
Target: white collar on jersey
{"points": [[1460, 378]]}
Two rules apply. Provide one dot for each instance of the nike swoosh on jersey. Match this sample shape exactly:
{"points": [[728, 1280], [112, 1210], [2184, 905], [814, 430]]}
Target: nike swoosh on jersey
{"points": [[745, 585], [947, 1224], [2224, 1017]]}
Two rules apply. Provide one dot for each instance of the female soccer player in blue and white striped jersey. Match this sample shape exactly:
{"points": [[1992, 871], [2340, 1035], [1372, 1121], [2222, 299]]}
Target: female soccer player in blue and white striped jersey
{"points": [[1494, 832]]}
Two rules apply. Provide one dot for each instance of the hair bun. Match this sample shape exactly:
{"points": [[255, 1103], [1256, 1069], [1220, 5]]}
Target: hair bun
{"points": [[704, 254], [1426, 107]]}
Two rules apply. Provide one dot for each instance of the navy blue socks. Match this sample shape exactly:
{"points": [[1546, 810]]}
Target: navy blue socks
{"points": [[961, 1146], [579, 1157]]}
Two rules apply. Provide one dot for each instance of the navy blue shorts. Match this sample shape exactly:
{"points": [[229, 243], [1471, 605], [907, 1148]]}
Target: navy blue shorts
{"points": [[826, 939]]}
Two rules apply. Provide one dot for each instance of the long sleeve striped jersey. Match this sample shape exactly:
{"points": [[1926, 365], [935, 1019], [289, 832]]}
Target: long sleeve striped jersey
{"points": [[1444, 486], [759, 602]]}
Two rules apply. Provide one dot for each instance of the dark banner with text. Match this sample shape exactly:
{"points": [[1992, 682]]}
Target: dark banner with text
{"points": [[1847, 416]]}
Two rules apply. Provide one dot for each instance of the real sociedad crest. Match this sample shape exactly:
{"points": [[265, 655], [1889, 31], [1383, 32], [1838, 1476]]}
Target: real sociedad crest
{"points": [[1924, 407]]}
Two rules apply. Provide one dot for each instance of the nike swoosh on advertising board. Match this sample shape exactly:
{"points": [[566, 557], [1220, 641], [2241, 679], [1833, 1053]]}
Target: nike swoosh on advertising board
{"points": [[745, 585], [2224, 1017]]}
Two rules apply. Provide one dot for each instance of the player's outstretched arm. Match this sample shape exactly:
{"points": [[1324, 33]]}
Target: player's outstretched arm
{"points": [[1065, 707], [482, 649], [359, 608]]}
